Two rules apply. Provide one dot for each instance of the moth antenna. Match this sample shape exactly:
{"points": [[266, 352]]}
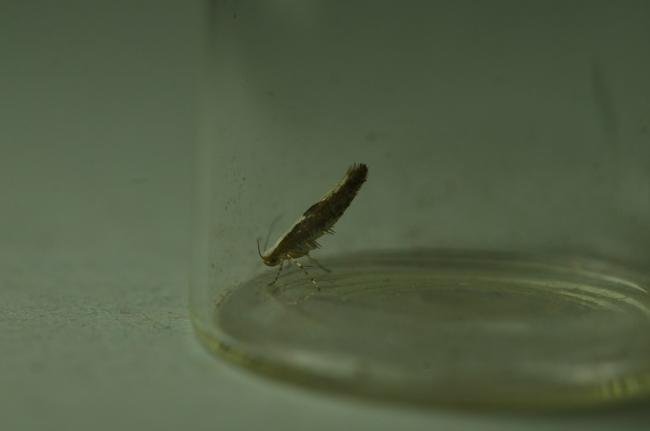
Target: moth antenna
{"points": [[271, 226], [258, 248]]}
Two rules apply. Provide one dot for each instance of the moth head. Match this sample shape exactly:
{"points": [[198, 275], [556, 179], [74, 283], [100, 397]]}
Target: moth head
{"points": [[270, 259]]}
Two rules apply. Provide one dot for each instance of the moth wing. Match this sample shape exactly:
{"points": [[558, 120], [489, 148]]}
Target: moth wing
{"points": [[313, 209], [304, 248], [312, 244]]}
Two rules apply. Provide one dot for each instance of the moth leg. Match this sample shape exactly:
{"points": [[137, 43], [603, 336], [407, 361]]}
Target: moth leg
{"points": [[302, 268], [277, 274], [318, 264]]}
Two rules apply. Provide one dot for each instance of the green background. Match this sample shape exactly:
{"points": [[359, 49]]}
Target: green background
{"points": [[95, 176]]}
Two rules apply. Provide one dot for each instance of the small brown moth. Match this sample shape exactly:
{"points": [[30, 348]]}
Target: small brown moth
{"points": [[318, 220]]}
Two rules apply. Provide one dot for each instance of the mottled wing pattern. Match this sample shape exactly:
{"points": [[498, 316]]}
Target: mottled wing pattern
{"points": [[320, 218]]}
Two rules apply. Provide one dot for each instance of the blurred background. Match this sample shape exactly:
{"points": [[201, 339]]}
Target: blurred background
{"points": [[98, 118]]}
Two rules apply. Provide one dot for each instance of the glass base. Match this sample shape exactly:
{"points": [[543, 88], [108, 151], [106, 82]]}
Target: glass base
{"points": [[461, 328]]}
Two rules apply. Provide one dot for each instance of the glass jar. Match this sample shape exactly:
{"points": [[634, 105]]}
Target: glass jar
{"points": [[497, 254]]}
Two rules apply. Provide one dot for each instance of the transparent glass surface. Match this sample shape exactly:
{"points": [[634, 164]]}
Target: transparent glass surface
{"points": [[498, 254]]}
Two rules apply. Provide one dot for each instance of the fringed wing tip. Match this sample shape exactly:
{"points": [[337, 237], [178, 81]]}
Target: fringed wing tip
{"points": [[358, 167]]}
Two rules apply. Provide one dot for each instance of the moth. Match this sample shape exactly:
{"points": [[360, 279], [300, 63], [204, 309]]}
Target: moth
{"points": [[318, 220]]}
